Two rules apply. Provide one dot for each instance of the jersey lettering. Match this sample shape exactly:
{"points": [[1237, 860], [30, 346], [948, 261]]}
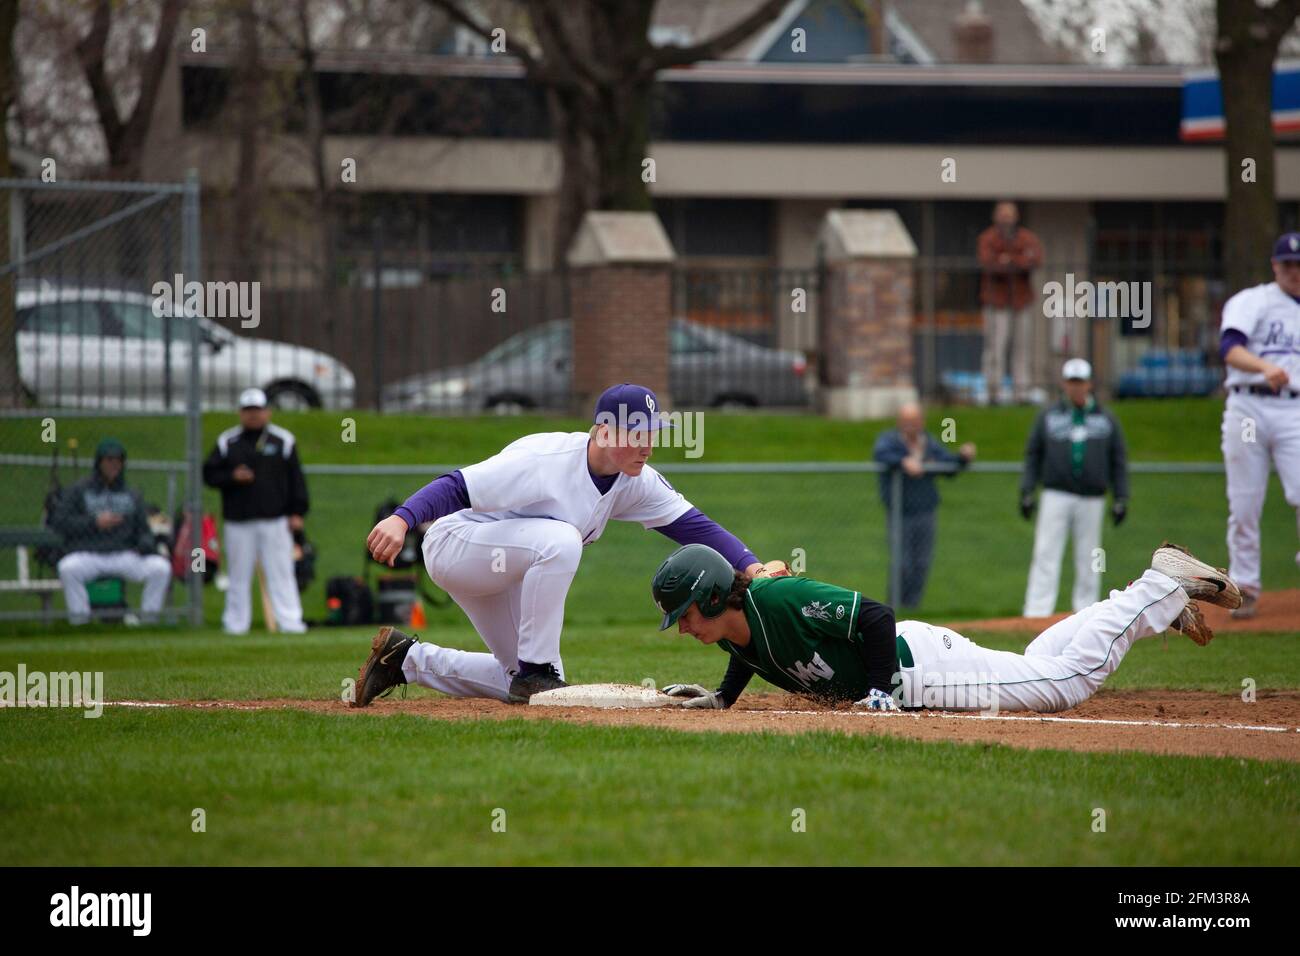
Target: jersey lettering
{"points": [[815, 670]]}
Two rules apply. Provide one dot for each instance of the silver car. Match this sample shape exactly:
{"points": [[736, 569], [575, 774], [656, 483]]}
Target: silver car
{"points": [[105, 348], [534, 369]]}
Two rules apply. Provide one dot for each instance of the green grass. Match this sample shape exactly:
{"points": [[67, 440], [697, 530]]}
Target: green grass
{"points": [[297, 788], [981, 560], [292, 787], [1170, 430]]}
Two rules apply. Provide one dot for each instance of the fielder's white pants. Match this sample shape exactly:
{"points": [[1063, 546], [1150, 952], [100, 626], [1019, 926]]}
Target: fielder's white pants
{"points": [[1003, 327], [270, 544], [79, 568], [1061, 668], [1062, 515], [1274, 426], [510, 577]]}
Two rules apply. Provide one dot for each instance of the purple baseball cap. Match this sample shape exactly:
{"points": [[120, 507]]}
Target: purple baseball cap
{"points": [[1287, 247], [630, 407]]}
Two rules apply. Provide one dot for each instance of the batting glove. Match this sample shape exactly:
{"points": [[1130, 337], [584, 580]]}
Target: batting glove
{"points": [[1027, 507], [1118, 512], [696, 697], [877, 700]]}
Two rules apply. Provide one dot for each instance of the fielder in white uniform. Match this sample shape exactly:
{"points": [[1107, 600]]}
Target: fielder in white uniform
{"points": [[263, 500], [1260, 344], [782, 629], [505, 543]]}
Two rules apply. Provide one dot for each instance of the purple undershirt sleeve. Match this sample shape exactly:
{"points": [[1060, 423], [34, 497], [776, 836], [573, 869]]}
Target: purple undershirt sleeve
{"points": [[1230, 338], [442, 496], [695, 527]]}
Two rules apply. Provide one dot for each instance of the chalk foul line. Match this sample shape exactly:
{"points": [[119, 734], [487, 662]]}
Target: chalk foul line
{"points": [[1037, 718]]}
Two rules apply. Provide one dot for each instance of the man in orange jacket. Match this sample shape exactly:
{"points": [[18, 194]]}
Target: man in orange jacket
{"points": [[1008, 253]]}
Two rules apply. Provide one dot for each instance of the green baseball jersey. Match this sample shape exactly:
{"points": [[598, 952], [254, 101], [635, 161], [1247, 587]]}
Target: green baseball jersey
{"points": [[803, 637]]}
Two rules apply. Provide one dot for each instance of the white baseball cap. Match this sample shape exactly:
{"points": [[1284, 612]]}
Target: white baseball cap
{"points": [[1077, 368], [252, 398]]}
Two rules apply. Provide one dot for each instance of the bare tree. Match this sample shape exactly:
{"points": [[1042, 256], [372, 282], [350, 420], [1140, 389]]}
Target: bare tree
{"points": [[1246, 48], [595, 61], [249, 83], [10, 386], [124, 136]]}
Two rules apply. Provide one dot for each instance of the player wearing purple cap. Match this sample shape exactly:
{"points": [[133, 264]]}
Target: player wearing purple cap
{"points": [[1260, 344], [505, 542]]}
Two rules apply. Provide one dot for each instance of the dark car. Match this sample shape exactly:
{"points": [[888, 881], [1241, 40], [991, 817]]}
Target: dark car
{"points": [[534, 369]]}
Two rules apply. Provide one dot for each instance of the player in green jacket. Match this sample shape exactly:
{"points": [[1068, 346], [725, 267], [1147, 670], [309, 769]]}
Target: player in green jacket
{"points": [[832, 643]]}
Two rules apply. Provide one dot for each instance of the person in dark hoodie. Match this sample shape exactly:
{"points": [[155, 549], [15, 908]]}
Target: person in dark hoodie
{"points": [[106, 534], [263, 499]]}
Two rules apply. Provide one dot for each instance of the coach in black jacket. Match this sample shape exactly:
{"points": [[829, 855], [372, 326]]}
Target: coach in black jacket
{"points": [[263, 500], [1076, 449]]}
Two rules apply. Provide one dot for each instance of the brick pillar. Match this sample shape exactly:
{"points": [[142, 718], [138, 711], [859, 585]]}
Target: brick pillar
{"points": [[620, 296], [866, 314]]}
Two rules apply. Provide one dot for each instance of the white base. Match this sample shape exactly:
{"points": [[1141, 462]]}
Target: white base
{"points": [[603, 696]]}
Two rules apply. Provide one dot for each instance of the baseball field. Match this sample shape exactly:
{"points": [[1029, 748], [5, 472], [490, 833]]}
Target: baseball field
{"points": [[220, 750]]}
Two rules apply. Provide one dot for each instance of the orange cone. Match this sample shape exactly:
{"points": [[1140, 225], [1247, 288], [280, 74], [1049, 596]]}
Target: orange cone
{"points": [[418, 620]]}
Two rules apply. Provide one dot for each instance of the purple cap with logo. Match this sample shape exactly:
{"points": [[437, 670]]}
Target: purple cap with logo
{"points": [[1287, 247], [629, 407]]}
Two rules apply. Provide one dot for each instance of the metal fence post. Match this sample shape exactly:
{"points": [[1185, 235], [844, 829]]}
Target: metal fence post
{"points": [[377, 312], [896, 537], [194, 412]]}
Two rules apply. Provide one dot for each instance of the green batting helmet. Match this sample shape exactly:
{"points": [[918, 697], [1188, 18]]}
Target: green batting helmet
{"points": [[693, 573]]}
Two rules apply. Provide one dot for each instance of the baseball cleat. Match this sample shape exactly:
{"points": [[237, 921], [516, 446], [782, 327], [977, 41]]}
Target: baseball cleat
{"points": [[1249, 606], [523, 686], [1191, 623], [1201, 581], [382, 670]]}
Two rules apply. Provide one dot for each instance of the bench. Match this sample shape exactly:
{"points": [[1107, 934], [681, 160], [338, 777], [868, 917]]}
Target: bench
{"points": [[21, 539]]}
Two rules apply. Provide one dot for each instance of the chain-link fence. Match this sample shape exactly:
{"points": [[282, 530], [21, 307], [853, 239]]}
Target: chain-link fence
{"points": [[99, 398]]}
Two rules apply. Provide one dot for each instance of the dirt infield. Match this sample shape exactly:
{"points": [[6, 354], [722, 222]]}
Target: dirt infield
{"points": [[1195, 723], [1278, 611]]}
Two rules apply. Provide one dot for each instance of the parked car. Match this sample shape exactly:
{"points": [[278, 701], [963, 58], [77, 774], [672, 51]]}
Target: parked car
{"points": [[534, 369], [105, 348]]}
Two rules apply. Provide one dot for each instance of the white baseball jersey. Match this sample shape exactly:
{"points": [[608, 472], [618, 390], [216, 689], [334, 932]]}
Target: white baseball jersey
{"points": [[1270, 320], [545, 476]]}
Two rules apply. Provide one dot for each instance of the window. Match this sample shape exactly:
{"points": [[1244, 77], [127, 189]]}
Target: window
{"points": [[718, 227], [62, 318], [137, 321], [682, 340]]}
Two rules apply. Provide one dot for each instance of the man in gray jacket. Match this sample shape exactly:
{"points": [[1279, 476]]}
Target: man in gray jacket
{"points": [[1076, 449]]}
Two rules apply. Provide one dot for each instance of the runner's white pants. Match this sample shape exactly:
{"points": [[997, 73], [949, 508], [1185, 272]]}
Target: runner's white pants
{"points": [[79, 568], [1062, 515], [1255, 429], [510, 577], [269, 543], [1061, 668]]}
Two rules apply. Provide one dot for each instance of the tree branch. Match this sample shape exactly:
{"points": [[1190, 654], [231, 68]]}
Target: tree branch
{"points": [[545, 23], [710, 49], [536, 68], [90, 54], [1281, 17], [151, 76]]}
